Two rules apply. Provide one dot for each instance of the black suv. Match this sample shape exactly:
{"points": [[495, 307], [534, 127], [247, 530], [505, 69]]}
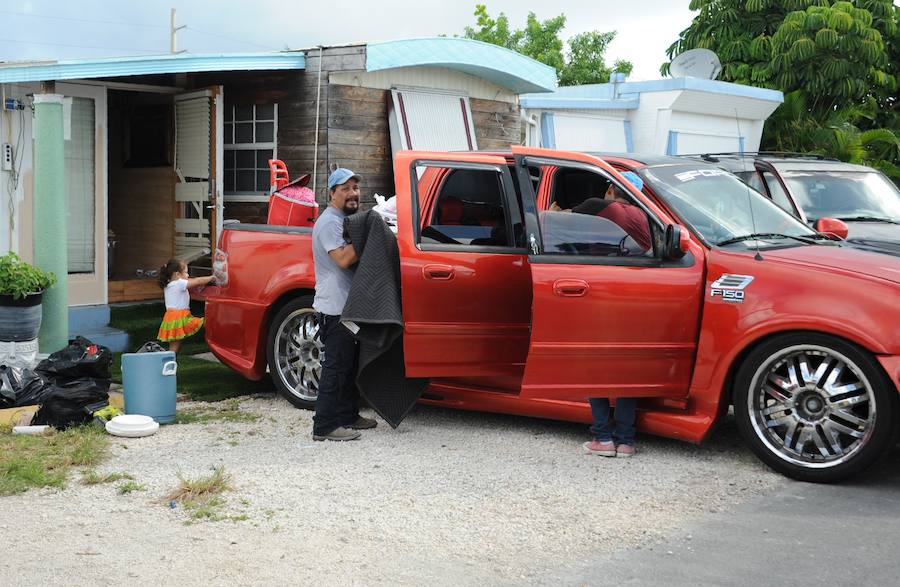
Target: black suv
{"points": [[813, 187]]}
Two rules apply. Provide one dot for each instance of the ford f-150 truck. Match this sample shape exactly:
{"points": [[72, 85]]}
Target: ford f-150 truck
{"points": [[511, 306]]}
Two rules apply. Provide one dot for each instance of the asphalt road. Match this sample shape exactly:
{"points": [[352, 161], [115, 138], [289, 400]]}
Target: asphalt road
{"points": [[800, 534]]}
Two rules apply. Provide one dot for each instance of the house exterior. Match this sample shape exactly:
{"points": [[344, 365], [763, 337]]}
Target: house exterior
{"points": [[120, 164], [675, 116]]}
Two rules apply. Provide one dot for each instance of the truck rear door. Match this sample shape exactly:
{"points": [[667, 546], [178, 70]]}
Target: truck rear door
{"points": [[609, 318], [465, 280]]}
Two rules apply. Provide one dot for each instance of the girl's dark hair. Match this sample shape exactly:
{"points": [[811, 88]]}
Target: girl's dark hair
{"points": [[166, 271]]}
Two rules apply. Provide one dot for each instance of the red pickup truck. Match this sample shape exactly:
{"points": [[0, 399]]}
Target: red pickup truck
{"points": [[512, 307]]}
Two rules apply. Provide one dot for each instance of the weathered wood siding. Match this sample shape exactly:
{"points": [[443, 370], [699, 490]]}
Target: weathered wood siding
{"points": [[497, 124], [359, 139]]}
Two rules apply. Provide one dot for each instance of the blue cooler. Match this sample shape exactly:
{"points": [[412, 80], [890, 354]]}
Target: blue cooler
{"points": [[149, 382]]}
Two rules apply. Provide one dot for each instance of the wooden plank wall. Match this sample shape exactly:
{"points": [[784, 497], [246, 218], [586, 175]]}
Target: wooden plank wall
{"points": [[297, 116], [358, 137], [497, 124]]}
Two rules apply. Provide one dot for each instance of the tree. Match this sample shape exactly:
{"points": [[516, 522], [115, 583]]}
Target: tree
{"points": [[540, 40], [835, 51], [837, 62]]}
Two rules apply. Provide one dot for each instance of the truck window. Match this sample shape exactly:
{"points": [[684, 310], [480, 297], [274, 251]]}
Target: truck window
{"points": [[777, 192], [592, 224], [469, 208]]}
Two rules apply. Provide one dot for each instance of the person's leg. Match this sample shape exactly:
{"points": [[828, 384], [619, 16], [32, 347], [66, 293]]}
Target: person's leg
{"points": [[348, 395], [602, 444], [334, 368], [600, 429], [174, 346], [624, 415]]}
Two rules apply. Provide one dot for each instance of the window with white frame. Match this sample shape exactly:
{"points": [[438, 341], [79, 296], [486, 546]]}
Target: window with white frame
{"points": [[251, 133]]}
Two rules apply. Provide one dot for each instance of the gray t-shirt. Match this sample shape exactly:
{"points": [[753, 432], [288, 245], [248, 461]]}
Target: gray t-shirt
{"points": [[332, 282]]}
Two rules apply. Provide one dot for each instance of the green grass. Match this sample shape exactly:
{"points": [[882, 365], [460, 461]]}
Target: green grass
{"points": [[200, 380], [230, 412], [28, 462], [129, 486], [92, 477], [202, 496]]}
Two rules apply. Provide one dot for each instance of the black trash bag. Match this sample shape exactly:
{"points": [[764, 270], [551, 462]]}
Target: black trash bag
{"points": [[72, 403], [151, 347], [32, 389], [81, 358], [9, 384]]}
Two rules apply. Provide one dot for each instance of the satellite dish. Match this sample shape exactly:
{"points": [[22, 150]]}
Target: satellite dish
{"points": [[701, 63]]}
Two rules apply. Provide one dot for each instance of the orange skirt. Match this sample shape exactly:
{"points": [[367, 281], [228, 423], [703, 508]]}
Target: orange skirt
{"points": [[178, 324]]}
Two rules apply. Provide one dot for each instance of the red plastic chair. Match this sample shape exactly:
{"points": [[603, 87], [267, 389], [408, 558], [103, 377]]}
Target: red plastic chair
{"points": [[278, 175]]}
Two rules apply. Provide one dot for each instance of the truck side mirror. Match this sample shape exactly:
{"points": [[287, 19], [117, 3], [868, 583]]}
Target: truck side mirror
{"points": [[831, 227], [676, 242]]}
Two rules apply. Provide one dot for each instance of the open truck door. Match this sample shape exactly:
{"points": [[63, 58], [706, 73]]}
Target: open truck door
{"points": [[610, 318], [199, 169], [464, 270]]}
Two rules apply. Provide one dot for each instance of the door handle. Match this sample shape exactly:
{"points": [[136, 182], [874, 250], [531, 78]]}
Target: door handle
{"points": [[438, 272], [570, 288]]}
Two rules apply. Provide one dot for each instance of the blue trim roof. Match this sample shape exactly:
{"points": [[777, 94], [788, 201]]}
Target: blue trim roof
{"points": [[154, 64], [494, 63], [627, 94]]}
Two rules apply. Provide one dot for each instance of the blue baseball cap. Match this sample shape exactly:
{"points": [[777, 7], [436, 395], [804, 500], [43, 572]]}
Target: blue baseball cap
{"points": [[634, 179], [340, 176]]}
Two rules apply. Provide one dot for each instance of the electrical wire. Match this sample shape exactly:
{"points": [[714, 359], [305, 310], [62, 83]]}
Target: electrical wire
{"points": [[80, 46], [71, 19], [236, 40]]}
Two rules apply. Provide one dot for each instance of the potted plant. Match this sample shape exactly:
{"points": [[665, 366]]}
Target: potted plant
{"points": [[21, 290]]}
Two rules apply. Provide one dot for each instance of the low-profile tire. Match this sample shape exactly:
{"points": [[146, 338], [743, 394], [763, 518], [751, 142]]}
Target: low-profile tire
{"points": [[294, 351], [814, 407]]}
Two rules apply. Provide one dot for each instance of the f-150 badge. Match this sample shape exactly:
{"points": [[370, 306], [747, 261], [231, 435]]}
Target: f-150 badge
{"points": [[730, 288]]}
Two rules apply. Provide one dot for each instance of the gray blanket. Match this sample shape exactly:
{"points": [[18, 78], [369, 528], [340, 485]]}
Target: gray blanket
{"points": [[374, 306]]}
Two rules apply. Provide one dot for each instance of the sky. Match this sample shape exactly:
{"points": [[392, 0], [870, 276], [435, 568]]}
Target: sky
{"points": [[63, 29]]}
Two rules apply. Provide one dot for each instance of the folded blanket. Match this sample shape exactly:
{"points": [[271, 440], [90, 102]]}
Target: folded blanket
{"points": [[373, 306]]}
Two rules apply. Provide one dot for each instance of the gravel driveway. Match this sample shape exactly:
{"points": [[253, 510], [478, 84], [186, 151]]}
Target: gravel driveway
{"points": [[449, 498]]}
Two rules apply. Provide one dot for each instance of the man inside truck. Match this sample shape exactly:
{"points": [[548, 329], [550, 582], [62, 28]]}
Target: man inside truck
{"points": [[337, 407], [617, 207]]}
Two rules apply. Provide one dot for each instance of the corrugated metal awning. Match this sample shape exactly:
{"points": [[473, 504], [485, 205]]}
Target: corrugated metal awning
{"points": [[496, 64], [155, 64]]}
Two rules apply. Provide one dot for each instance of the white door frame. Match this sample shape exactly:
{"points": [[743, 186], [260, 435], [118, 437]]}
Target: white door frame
{"points": [[86, 289]]}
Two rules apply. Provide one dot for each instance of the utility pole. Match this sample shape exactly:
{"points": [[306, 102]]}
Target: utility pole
{"points": [[172, 32]]}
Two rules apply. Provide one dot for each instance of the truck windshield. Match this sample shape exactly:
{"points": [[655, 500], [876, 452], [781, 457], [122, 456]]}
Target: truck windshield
{"points": [[848, 195], [717, 205]]}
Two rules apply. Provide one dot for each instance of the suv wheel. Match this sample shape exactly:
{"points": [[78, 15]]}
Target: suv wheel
{"points": [[814, 407], [295, 351]]}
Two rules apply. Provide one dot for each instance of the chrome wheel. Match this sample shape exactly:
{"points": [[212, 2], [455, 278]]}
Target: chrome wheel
{"points": [[812, 406], [298, 354]]}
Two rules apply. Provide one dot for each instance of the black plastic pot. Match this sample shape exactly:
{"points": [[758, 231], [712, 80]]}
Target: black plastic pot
{"points": [[20, 320]]}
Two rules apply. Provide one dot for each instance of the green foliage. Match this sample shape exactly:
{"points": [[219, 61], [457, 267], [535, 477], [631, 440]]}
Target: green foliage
{"points": [[837, 62], [584, 62], [841, 135], [28, 462], [836, 51], [18, 278]]}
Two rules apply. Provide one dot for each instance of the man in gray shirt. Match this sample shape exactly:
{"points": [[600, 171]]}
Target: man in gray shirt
{"points": [[337, 406]]}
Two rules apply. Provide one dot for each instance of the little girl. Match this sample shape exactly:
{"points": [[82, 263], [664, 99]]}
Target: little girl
{"points": [[177, 323]]}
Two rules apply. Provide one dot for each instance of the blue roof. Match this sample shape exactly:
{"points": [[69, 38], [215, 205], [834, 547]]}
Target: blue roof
{"points": [[148, 65], [627, 94], [499, 65]]}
